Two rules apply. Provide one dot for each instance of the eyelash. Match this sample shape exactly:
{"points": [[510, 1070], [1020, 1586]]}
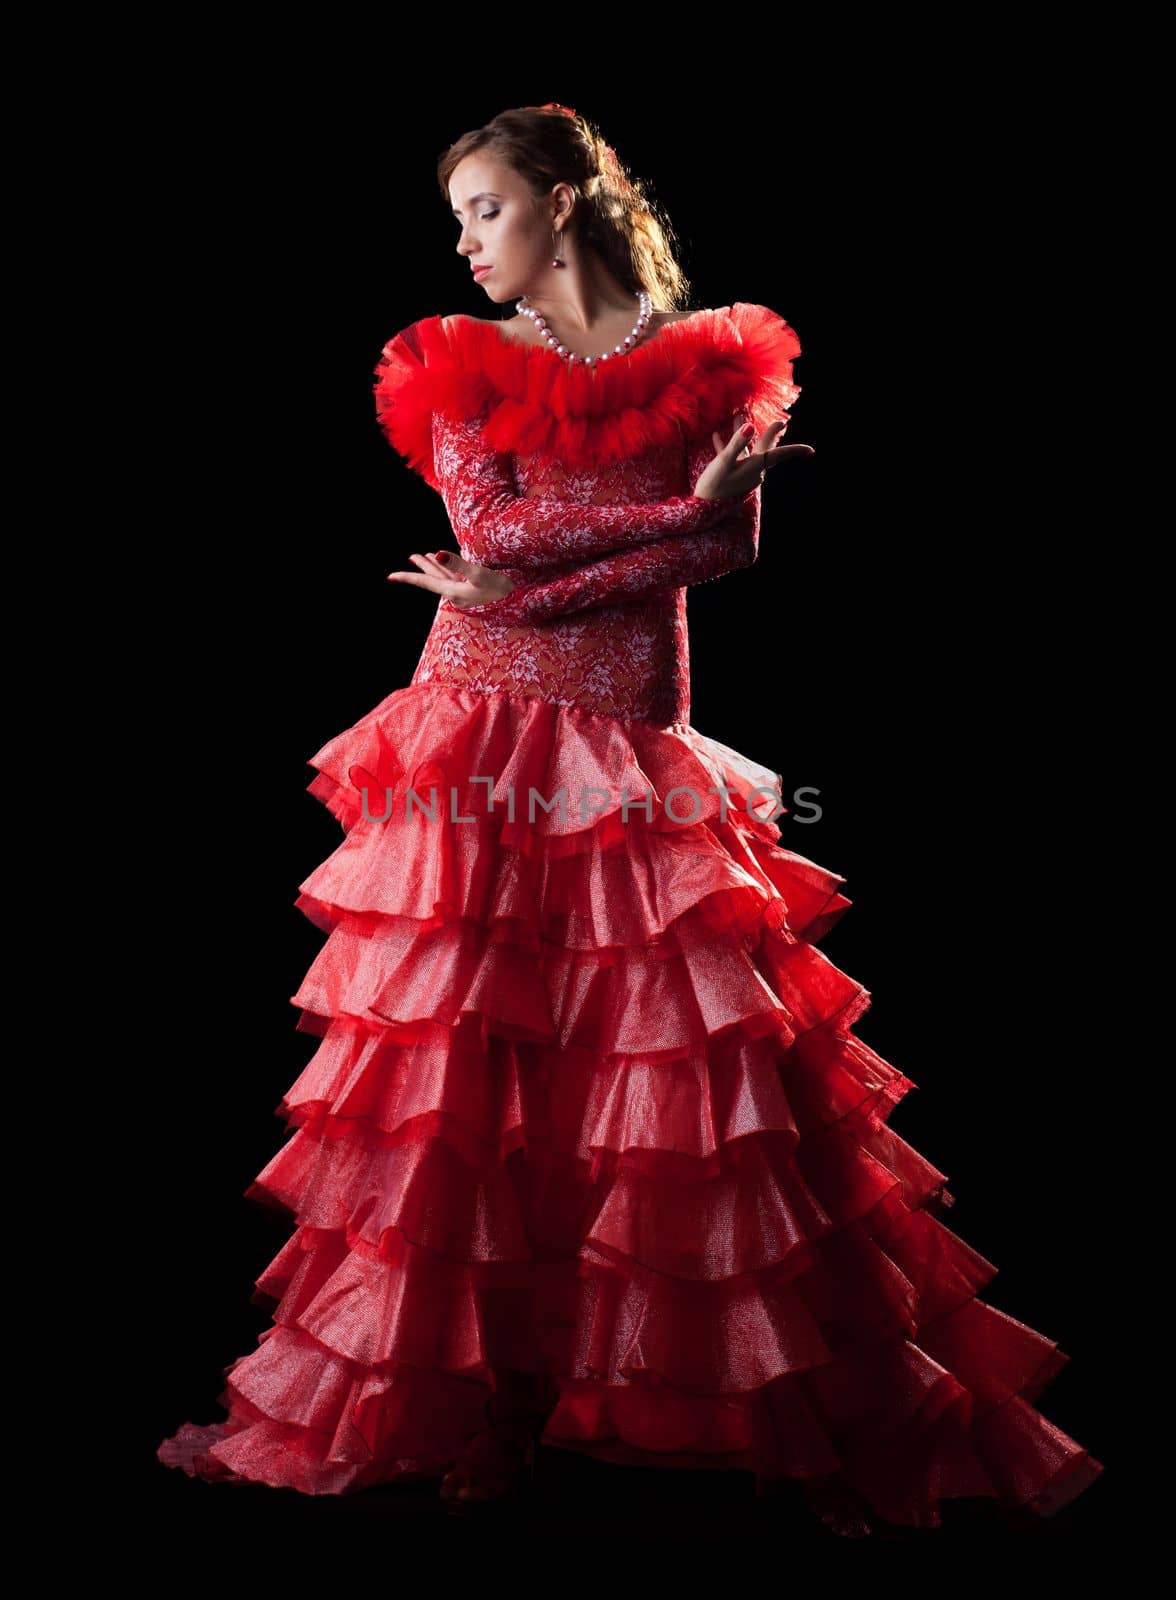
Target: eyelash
{"points": [[487, 215]]}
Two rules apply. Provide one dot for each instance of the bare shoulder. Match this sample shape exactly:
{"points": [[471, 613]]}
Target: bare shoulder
{"points": [[521, 328], [516, 323], [521, 322]]}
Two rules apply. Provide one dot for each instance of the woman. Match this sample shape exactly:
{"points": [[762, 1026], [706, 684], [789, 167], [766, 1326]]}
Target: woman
{"points": [[589, 1151]]}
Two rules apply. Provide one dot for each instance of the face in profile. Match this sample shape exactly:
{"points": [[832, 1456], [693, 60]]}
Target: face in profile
{"points": [[500, 228]]}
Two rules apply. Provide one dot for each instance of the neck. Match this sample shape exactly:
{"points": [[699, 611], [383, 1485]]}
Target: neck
{"points": [[577, 301]]}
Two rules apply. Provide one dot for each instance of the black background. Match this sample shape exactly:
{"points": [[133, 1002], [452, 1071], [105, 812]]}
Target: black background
{"points": [[900, 645]]}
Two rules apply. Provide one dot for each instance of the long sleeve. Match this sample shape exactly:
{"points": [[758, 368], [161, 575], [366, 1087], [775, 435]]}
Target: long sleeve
{"points": [[670, 563], [498, 527]]}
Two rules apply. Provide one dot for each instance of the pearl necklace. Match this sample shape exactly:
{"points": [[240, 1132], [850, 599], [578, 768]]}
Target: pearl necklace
{"points": [[570, 356]]}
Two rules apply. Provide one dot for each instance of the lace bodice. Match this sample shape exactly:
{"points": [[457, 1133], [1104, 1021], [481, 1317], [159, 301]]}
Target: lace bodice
{"points": [[592, 513]]}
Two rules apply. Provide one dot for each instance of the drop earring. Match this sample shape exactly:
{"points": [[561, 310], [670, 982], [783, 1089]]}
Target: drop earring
{"points": [[558, 261]]}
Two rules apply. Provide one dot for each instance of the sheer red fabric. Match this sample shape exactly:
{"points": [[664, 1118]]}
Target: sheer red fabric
{"points": [[587, 1099]]}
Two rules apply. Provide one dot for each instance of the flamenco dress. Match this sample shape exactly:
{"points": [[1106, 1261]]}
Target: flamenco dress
{"points": [[587, 1100]]}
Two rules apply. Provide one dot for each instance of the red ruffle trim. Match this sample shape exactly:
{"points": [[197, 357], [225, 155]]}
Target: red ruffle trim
{"points": [[588, 1101], [689, 378]]}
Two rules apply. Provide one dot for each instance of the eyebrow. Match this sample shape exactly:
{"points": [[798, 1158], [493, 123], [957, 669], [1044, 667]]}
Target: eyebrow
{"points": [[489, 195]]}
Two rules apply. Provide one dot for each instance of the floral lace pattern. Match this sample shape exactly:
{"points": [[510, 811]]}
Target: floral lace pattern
{"points": [[539, 516], [607, 634]]}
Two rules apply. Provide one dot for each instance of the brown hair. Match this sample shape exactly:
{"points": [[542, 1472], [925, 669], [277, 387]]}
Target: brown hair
{"points": [[551, 144]]}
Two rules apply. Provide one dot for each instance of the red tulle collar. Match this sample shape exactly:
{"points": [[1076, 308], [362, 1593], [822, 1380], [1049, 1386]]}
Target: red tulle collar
{"points": [[690, 377]]}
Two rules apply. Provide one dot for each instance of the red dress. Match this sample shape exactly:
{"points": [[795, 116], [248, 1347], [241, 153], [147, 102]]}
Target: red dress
{"points": [[587, 1099]]}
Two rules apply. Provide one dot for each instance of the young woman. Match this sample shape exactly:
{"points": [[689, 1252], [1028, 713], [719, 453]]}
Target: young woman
{"points": [[589, 1151]]}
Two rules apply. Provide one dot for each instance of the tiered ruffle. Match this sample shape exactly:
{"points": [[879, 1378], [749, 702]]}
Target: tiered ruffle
{"points": [[587, 1100]]}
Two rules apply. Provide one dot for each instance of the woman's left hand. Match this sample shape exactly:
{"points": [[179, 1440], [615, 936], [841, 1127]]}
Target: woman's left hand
{"points": [[465, 583]]}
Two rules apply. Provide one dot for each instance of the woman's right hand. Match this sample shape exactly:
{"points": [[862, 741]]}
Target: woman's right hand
{"points": [[463, 583], [739, 465]]}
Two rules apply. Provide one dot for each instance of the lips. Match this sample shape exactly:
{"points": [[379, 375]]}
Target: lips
{"points": [[480, 272]]}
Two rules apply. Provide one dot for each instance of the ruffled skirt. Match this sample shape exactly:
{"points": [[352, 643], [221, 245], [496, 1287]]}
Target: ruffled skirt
{"points": [[587, 1101]]}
